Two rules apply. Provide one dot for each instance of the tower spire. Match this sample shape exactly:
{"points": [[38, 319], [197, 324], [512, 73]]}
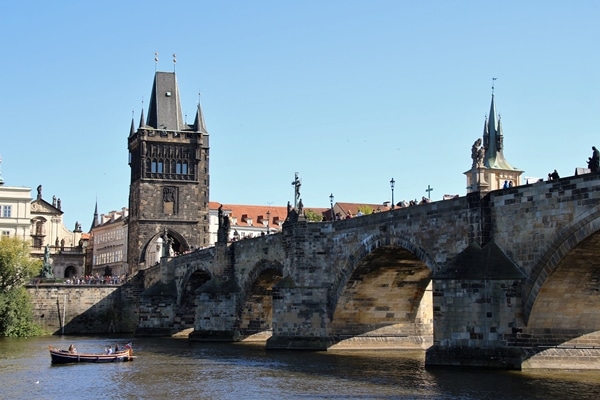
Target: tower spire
{"points": [[1, 179], [199, 125], [142, 121], [493, 139], [132, 129], [95, 220]]}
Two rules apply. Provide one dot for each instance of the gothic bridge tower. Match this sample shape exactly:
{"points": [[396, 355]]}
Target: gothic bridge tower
{"points": [[490, 169], [168, 192]]}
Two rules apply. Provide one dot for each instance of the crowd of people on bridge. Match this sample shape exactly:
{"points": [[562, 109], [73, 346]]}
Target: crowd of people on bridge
{"points": [[96, 279]]}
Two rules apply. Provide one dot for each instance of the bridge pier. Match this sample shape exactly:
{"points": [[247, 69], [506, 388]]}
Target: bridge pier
{"points": [[476, 310], [300, 319], [215, 318]]}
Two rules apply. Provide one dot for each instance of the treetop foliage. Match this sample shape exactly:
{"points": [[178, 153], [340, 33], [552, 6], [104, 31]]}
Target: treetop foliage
{"points": [[16, 265]]}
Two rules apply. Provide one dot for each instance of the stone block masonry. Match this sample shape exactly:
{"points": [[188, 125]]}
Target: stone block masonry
{"points": [[79, 309]]}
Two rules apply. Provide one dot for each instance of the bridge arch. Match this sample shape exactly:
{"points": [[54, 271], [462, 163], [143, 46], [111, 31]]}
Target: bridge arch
{"points": [[255, 307], [367, 246], [196, 274], [384, 291], [584, 228]]}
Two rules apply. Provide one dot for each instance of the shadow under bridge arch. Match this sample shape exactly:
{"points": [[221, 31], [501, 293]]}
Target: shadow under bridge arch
{"points": [[384, 301], [188, 298], [255, 311]]}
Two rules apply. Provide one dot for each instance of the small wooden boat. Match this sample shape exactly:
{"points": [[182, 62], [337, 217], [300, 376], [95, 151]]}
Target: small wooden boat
{"points": [[65, 356]]}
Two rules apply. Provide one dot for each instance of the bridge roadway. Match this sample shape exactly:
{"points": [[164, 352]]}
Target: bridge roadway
{"points": [[510, 279]]}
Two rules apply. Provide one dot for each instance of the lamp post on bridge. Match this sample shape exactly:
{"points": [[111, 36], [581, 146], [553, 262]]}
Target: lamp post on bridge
{"points": [[331, 202], [268, 220], [392, 183]]}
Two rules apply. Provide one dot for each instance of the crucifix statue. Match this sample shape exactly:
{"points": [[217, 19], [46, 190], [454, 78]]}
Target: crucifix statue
{"points": [[428, 190], [296, 183]]}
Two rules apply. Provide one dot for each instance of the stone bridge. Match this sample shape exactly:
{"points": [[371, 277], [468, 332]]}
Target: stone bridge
{"points": [[507, 279]]}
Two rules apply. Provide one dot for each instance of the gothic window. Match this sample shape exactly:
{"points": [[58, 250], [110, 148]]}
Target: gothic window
{"points": [[184, 168], [159, 168], [153, 167], [178, 168]]}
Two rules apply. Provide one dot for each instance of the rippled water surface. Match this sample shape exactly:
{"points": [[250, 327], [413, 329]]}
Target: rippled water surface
{"points": [[178, 369]]}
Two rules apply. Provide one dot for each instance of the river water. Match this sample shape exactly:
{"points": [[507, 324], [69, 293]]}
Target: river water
{"points": [[178, 369]]}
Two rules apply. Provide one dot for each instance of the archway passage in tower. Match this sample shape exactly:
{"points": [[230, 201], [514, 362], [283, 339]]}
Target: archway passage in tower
{"points": [[256, 315], [386, 303]]}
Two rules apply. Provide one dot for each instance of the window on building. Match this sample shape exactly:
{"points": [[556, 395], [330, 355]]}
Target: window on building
{"points": [[5, 233], [178, 168], [153, 167], [6, 211], [159, 168], [184, 168]]}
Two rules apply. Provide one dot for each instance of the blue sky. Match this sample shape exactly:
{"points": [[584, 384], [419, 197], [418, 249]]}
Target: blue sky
{"points": [[347, 93]]}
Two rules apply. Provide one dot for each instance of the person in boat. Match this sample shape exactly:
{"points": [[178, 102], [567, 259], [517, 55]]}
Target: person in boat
{"points": [[116, 348], [72, 349], [109, 350]]}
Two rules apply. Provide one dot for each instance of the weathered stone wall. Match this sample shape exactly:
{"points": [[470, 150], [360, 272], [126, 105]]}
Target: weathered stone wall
{"points": [[84, 309]]}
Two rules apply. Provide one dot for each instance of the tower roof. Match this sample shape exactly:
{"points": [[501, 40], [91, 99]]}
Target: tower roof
{"points": [[199, 125], [493, 141], [164, 111], [95, 220]]}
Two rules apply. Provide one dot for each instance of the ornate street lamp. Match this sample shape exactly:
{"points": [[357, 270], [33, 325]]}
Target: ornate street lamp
{"points": [[331, 202], [392, 183], [268, 219]]}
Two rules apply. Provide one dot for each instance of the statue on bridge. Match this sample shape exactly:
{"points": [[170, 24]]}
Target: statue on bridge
{"points": [[594, 161], [223, 228], [477, 154], [296, 183], [47, 267]]}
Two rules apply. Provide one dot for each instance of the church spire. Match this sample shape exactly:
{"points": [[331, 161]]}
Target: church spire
{"points": [[95, 220], [493, 140]]}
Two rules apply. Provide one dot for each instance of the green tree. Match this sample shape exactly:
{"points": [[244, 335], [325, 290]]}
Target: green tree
{"points": [[16, 267], [312, 216]]}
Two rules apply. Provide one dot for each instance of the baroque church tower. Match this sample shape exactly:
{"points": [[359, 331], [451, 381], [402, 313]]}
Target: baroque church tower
{"points": [[168, 193], [490, 170]]}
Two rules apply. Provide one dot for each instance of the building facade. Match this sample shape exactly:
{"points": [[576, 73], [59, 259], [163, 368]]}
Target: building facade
{"points": [[41, 223], [109, 244], [67, 247], [248, 221], [169, 189], [15, 211]]}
